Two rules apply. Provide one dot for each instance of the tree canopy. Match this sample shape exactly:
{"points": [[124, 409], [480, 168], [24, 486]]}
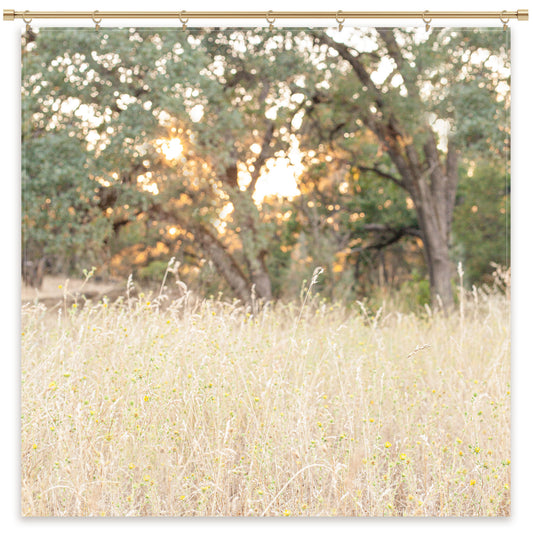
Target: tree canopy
{"points": [[143, 144]]}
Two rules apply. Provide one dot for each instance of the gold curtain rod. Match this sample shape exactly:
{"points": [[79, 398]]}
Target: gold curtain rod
{"points": [[519, 14]]}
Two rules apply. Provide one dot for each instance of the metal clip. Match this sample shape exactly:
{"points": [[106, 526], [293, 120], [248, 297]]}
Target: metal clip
{"points": [[339, 20], [270, 20], [27, 21], [183, 20], [96, 21], [426, 19], [505, 19]]}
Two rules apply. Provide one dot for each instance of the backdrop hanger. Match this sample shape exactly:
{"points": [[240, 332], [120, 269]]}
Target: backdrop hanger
{"points": [[27, 21], [504, 16], [270, 19], [427, 19], [505, 19], [183, 20], [96, 20], [340, 20]]}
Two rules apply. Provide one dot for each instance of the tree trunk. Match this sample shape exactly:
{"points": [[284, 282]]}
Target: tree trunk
{"points": [[261, 278], [432, 188], [431, 185], [434, 199], [224, 263], [436, 252], [253, 241]]}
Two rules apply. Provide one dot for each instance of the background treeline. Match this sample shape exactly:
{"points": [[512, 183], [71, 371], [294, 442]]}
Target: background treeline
{"points": [[144, 144]]}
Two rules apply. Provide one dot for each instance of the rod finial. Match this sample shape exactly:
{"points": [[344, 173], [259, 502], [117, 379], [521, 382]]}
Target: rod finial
{"points": [[521, 14], [9, 14]]}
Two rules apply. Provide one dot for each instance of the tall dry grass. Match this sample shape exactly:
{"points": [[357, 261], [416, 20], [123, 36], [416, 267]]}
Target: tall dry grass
{"points": [[203, 409]]}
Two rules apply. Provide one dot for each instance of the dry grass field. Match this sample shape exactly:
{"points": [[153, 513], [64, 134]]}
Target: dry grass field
{"points": [[135, 408]]}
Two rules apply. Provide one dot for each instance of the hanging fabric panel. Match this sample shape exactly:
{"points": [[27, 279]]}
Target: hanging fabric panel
{"points": [[265, 271]]}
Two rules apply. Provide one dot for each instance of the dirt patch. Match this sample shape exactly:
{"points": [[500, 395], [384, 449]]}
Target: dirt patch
{"points": [[56, 288]]}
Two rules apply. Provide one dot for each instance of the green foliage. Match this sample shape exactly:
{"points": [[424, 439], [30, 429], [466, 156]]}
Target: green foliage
{"points": [[60, 212], [482, 222], [154, 271], [415, 292]]}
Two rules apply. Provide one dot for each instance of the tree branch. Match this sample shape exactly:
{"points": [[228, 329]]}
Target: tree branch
{"points": [[395, 235], [357, 66], [394, 51], [264, 154], [382, 174]]}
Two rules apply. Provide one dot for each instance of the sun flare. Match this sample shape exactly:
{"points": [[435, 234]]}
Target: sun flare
{"points": [[170, 148]]}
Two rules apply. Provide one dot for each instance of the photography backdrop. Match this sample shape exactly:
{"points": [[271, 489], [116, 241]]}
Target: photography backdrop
{"points": [[249, 156], [519, 154]]}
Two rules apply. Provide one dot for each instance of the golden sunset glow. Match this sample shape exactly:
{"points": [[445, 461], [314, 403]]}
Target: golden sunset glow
{"points": [[280, 178], [170, 148], [280, 175]]}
